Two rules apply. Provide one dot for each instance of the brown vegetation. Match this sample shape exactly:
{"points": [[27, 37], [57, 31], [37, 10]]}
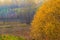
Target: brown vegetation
{"points": [[46, 23]]}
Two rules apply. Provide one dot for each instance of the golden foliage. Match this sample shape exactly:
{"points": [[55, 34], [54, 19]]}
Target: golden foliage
{"points": [[46, 23]]}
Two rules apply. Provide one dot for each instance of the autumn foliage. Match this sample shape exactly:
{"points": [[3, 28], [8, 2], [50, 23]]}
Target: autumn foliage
{"points": [[46, 22]]}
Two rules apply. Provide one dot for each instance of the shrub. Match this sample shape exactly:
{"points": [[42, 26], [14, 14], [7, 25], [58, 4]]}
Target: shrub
{"points": [[46, 22], [10, 37]]}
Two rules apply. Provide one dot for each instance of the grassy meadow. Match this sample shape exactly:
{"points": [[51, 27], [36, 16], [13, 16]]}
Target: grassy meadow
{"points": [[10, 37], [14, 30]]}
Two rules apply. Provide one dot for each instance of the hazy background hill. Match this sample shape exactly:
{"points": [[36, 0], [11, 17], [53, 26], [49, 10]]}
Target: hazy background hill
{"points": [[20, 10], [15, 13]]}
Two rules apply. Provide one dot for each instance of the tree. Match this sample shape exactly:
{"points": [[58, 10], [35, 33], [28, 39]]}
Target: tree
{"points": [[46, 22]]}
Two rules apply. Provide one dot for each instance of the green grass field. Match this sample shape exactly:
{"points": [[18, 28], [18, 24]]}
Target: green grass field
{"points": [[10, 37]]}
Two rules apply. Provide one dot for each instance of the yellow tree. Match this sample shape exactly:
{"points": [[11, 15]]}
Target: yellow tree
{"points": [[46, 22]]}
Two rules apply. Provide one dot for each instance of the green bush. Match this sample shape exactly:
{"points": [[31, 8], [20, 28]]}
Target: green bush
{"points": [[10, 37]]}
